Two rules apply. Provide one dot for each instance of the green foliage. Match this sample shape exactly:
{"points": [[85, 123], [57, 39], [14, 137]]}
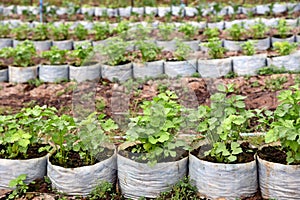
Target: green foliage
{"points": [[141, 32], [55, 56], [271, 70], [40, 32], [23, 54], [19, 131], [189, 31], [19, 185], [60, 32], [58, 129], [227, 119], [258, 30], [114, 51], [104, 190], [149, 50], [92, 136], [274, 84], [21, 32], [284, 48], [79, 55], [121, 29], [286, 126], [236, 31], [182, 51], [182, 190], [282, 28], [155, 131], [165, 30], [80, 32], [248, 48], [102, 31], [211, 33], [215, 48], [4, 31]]}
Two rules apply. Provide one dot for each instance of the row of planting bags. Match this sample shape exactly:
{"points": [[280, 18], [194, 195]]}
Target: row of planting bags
{"points": [[214, 68], [213, 180], [169, 45], [277, 8]]}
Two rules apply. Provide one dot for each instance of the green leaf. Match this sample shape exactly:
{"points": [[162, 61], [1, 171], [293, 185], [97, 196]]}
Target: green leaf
{"points": [[232, 158], [270, 136], [163, 137], [152, 140]]}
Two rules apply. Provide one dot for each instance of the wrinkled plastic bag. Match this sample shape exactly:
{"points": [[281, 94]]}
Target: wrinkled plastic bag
{"points": [[82, 180], [278, 181], [53, 73], [141, 180], [226, 181], [10, 169]]}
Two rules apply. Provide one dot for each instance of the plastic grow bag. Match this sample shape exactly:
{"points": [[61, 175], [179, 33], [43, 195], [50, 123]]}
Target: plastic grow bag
{"points": [[84, 73], [180, 68], [3, 75], [82, 180], [289, 62], [63, 45], [214, 68], [53, 73], [119, 72], [22, 74], [278, 181], [248, 65], [11, 169], [148, 69], [223, 181], [140, 180]]}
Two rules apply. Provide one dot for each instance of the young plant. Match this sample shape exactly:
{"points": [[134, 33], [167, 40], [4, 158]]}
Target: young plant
{"points": [[165, 30], [5, 31], [215, 48], [23, 54], [60, 32], [284, 48], [20, 187], [282, 28], [114, 51], [236, 32], [259, 30], [92, 134], [149, 51], [228, 118], [155, 131], [286, 126], [59, 129], [189, 31], [101, 31], [55, 56], [248, 48], [21, 32], [20, 131], [182, 51], [211, 33], [80, 54], [121, 29], [141, 32], [80, 32], [40, 32]]}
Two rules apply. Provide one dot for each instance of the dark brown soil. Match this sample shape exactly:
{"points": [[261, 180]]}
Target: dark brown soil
{"points": [[32, 152], [180, 153], [74, 159], [246, 156], [273, 154]]}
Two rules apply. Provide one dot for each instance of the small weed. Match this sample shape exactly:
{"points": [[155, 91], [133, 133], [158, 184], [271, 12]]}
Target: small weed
{"points": [[35, 82], [255, 84], [274, 84], [19, 185], [182, 190], [100, 104], [271, 70], [231, 75]]}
